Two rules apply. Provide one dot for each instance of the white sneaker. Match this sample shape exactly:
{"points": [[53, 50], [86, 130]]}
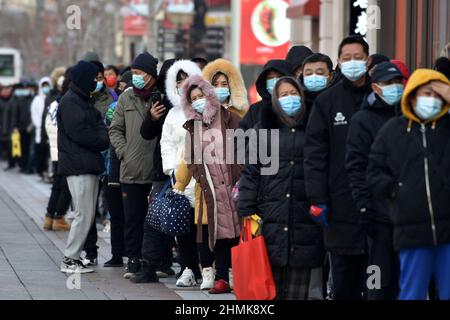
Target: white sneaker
{"points": [[230, 278], [74, 266], [187, 279], [208, 275]]}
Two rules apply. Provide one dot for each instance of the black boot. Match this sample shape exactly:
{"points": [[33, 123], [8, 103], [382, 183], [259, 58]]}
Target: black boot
{"points": [[115, 262], [145, 275]]}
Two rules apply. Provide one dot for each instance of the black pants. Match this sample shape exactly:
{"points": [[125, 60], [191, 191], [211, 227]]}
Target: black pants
{"points": [[222, 253], [157, 246], [41, 157], [349, 276], [115, 208], [25, 141], [383, 255], [60, 197], [187, 247], [206, 256], [135, 206]]}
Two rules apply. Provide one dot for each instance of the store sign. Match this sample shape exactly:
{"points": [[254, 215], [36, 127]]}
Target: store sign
{"points": [[135, 18], [265, 30]]}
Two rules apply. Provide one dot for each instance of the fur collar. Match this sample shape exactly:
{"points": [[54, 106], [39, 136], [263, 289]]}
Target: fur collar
{"points": [[171, 80], [238, 91], [212, 102]]}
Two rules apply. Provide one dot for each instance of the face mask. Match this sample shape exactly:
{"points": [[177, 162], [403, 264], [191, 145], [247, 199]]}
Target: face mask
{"points": [[270, 84], [22, 92], [99, 86], [392, 94], [290, 105], [428, 107], [138, 81], [46, 90], [222, 94], [354, 69], [111, 81], [199, 105], [315, 82]]}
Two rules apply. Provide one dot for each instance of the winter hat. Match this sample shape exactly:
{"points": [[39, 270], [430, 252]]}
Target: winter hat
{"points": [[99, 65], [83, 76], [443, 66], [296, 56], [126, 77], [90, 56], [147, 63], [377, 58]]}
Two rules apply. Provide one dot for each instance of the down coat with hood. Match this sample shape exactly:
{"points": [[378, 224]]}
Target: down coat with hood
{"points": [[215, 179], [173, 134], [255, 111], [37, 109], [238, 93], [409, 165], [292, 238]]}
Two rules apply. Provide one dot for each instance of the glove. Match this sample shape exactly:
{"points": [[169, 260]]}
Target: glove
{"points": [[319, 214]]}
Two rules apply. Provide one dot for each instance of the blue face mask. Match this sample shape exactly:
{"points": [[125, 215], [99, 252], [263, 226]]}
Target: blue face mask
{"points": [[22, 92], [315, 82], [354, 69], [392, 94], [46, 90], [138, 81], [291, 105], [222, 94], [270, 84], [99, 86], [428, 107], [199, 105]]}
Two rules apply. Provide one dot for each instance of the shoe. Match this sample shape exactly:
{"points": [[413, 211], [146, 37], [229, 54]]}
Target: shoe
{"points": [[221, 286], [187, 279], [230, 278], [48, 222], [74, 266], [144, 276], [59, 224], [165, 273], [114, 262], [133, 266], [91, 262], [208, 275]]}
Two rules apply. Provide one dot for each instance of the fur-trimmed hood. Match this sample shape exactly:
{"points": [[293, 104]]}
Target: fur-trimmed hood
{"points": [[212, 102], [56, 74], [238, 91], [187, 66]]}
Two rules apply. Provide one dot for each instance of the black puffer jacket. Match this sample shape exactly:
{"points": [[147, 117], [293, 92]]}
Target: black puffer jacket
{"points": [[363, 129], [292, 238], [325, 176], [397, 171], [22, 112], [253, 116], [82, 135]]}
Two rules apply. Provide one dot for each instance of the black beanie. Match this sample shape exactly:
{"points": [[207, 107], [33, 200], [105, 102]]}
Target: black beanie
{"points": [[83, 76], [147, 63], [99, 65], [296, 56], [443, 66]]}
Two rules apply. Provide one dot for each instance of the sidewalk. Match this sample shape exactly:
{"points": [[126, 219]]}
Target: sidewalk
{"points": [[30, 257]]}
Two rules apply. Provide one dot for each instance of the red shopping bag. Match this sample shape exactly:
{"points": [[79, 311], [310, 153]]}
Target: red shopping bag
{"points": [[252, 274]]}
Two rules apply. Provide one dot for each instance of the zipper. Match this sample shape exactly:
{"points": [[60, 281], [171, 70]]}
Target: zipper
{"points": [[427, 183]]}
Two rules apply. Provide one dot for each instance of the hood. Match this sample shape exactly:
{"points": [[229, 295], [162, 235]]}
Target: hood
{"points": [[296, 56], [238, 91], [187, 66], [161, 81], [56, 74], [419, 78], [42, 81], [212, 102], [280, 66]]}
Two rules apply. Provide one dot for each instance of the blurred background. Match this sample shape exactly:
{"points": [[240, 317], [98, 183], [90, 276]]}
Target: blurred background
{"points": [[248, 32]]}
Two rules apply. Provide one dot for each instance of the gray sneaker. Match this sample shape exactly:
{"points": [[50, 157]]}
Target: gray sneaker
{"points": [[74, 266]]}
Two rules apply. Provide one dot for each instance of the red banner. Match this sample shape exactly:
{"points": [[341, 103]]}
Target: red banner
{"points": [[265, 30]]}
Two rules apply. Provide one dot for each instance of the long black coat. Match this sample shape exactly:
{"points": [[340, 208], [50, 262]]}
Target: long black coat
{"points": [[325, 176], [400, 164], [364, 127], [292, 238], [82, 135]]}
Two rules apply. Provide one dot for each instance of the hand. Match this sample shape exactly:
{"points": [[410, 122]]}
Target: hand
{"points": [[319, 214], [157, 110], [441, 89]]}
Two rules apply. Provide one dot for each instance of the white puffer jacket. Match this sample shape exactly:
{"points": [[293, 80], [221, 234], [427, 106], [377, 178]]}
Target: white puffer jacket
{"points": [[52, 130], [37, 109], [173, 134]]}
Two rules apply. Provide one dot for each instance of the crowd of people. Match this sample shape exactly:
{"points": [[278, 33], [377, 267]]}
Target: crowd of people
{"points": [[363, 174]]}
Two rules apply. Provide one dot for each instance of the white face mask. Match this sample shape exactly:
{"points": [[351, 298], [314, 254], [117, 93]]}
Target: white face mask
{"points": [[354, 69]]}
